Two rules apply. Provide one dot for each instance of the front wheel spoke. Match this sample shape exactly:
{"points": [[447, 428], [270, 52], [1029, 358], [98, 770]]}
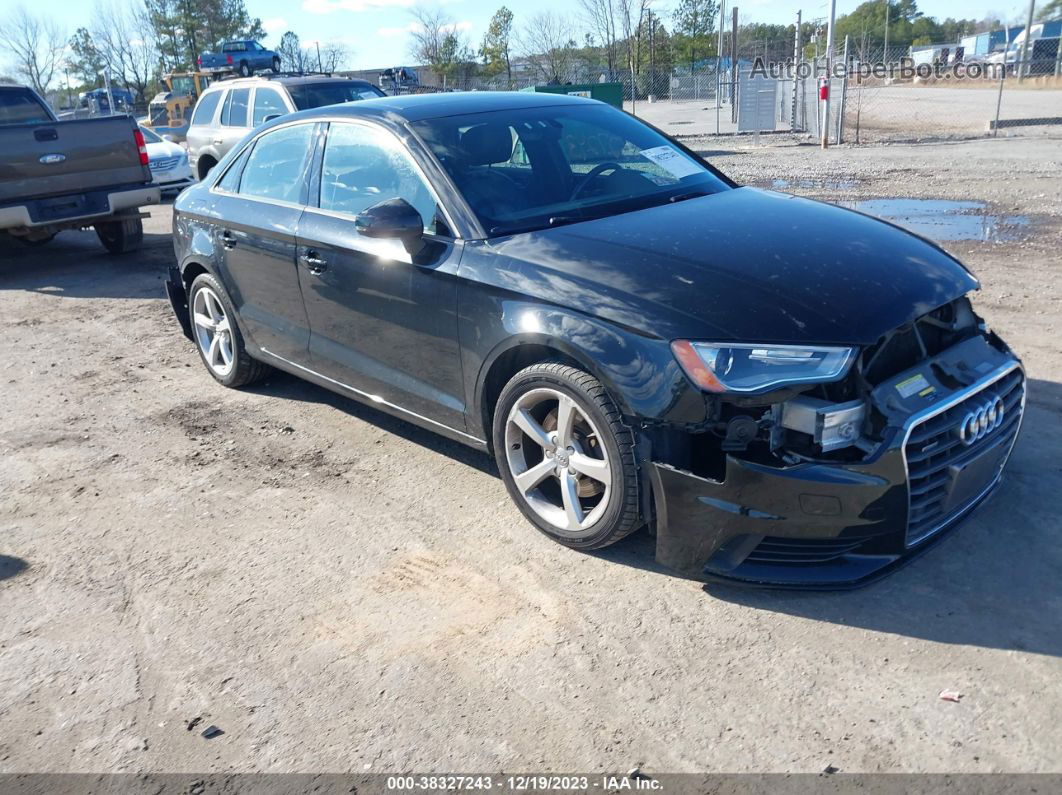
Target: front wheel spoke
{"points": [[205, 321], [223, 324], [226, 353], [214, 309], [212, 354], [530, 426], [573, 510], [596, 468], [565, 420], [530, 478]]}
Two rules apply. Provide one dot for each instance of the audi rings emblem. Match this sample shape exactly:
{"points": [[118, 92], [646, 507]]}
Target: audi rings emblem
{"points": [[981, 421]]}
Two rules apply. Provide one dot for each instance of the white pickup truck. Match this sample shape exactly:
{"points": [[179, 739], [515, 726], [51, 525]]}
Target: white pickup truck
{"points": [[75, 174]]}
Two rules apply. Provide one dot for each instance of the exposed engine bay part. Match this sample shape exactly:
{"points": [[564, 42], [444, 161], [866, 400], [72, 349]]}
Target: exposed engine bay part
{"points": [[831, 425]]}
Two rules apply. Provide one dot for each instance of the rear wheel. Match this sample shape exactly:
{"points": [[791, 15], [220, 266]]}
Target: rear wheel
{"points": [[566, 457], [121, 237], [218, 338], [245, 69]]}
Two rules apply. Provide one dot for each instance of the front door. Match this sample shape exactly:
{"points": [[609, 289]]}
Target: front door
{"points": [[382, 321], [261, 199]]}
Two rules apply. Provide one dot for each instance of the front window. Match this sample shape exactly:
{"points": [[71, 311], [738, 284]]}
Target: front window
{"points": [[536, 167], [183, 86], [364, 166], [316, 95]]}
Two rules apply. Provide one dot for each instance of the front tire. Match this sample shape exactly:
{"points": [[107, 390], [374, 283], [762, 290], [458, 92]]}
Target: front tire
{"points": [[276, 65], [121, 237], [566, 457], [217, 336]]}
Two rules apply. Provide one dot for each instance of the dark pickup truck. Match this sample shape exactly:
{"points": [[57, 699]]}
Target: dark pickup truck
{"points": [[75, 174]]}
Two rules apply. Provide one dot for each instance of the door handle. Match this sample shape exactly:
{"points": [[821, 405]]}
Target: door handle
{"points": [[313, 262], [217, 142], [228, 240]]}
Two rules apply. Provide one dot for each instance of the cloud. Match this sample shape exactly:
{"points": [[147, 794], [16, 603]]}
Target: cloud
{"points": [[275, 24], [330, 6], [415, 27]]}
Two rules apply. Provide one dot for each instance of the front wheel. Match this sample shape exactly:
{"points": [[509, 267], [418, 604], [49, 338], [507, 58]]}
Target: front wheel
{"points": [[566, 457], [121, 237], [276, 65], [218, 338]]}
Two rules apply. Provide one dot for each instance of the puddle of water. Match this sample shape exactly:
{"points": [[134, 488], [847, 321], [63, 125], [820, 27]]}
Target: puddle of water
{"points": [[942, 219], [828, 183]]}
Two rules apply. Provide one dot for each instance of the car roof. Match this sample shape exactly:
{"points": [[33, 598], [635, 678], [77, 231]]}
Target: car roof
{"points": [[416, 107], [284, 80]]}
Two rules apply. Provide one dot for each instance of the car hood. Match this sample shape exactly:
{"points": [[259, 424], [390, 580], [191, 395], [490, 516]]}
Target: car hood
{"points": [[743, 264]]}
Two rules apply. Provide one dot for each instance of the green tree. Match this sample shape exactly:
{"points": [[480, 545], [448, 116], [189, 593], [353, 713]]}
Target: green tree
{"points": [[495, 49], [694, 28], [1052, 10], [185, 28], [84, 61]]}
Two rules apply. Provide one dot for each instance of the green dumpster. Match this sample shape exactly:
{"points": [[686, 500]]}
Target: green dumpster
{"points": [[612, 93]]}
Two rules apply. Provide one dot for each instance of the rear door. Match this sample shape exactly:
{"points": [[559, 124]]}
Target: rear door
{"points": [[382, 321], [233, 124], [258, 203]]}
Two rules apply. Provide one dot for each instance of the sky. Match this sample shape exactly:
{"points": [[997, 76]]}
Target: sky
{"points": [[377, 31]]}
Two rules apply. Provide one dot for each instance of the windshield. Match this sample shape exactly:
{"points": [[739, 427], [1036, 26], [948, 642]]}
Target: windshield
{"points": [[314, 95], [530, 168], [183, 86]]}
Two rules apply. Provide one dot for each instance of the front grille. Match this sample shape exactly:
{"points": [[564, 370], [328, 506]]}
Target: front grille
{"points": [[936, 454], [776, 550], [164, 164]]}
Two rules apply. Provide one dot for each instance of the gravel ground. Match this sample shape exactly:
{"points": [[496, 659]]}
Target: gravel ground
{"points": [[339, 591]]}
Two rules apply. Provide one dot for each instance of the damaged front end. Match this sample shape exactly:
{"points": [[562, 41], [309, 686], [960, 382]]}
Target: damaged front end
{"points": [[832, 484]]}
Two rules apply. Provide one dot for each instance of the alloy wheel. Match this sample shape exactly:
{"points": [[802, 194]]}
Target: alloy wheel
{"points": [[213, 332], [558, 461]]}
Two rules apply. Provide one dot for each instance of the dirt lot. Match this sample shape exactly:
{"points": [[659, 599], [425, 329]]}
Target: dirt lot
{"points": [[340, 591]]}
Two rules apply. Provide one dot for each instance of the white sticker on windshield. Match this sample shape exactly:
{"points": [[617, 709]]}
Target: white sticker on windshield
{"points": [[672, 160]]}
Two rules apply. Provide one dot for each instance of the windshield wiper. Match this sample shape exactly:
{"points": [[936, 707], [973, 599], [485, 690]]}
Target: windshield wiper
{"points": [[693, 194]]}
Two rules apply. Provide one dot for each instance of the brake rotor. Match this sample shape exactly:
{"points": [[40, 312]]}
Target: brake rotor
{"points": [[585, 487]]}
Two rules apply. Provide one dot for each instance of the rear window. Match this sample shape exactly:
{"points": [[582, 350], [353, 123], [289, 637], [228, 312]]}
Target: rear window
{"points": [[315, 95], [204, 109], [20, 106]]}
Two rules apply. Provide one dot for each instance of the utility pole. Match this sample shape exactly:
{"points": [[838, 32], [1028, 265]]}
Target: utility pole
{"points": [[829, 74], [885, 52], [318, 43], [718, 62], [110, 94], [793, 124], [1023, 64], [734, 66]]}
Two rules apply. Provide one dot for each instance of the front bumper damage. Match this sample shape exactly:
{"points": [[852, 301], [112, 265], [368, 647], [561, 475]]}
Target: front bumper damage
{"points": [[826, 525]]}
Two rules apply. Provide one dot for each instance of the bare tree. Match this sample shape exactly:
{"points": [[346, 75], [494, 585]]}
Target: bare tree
{"points": [[601, 16], [35, 44], [334, 56], [632, 14], [429, 31], [292, 55], [546, 43], [126, 42]]}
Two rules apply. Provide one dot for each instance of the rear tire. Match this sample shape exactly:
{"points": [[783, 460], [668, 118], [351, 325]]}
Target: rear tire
{"points": [[217, 336], [121, 237], [575, 479], [245, 69]]}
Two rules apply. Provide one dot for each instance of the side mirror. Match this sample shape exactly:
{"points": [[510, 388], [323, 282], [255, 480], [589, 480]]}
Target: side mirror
{"points": [[394, 219]]}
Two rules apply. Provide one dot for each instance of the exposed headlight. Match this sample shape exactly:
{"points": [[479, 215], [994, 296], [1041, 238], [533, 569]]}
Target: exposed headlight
{"points": [[749, 369]]}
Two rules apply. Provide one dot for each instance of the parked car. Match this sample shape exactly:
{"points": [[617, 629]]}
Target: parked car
{"points": [[71, 174], [245, 57], [228, 109], [789, 392], [168, 162]]}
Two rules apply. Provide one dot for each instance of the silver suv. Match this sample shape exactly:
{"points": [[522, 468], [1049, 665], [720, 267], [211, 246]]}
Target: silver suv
{"points": [[229, 108]]}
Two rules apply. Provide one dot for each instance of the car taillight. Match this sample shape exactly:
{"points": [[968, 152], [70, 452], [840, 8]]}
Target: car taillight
{"points": [[141, 146], [228, 58], [199, 60]]}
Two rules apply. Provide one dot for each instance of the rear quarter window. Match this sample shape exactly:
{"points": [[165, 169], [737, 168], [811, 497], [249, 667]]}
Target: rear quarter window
{"points": [[204, 109]]}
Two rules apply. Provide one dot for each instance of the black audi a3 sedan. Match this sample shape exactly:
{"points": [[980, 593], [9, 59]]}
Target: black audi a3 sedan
{"points": [[785, 392]]}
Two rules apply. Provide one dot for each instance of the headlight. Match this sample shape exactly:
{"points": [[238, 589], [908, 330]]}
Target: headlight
{"points": [[747, 369]]}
